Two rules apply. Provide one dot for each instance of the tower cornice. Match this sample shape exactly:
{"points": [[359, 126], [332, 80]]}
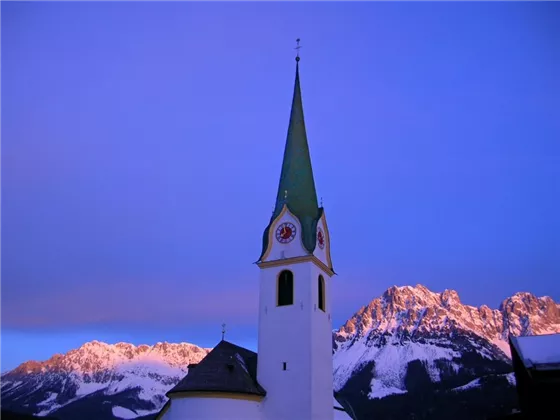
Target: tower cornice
{"points": [[298, 260]]}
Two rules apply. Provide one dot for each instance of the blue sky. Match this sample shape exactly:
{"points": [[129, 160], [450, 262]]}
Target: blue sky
{"points": [[142, 145]]}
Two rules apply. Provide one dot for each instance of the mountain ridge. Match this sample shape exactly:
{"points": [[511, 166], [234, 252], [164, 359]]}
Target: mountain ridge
{"points": [[116, 371], [428, 321], [407, 340], [114, 354], [511, 313], [411, 340]]}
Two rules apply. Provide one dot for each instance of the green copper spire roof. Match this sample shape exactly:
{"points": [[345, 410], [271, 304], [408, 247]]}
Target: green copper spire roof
{"points": [[297, 176], [296, 188]]}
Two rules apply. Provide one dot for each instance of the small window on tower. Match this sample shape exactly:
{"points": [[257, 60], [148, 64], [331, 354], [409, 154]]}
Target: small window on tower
{"points": [[284, 366], [321, 294], [285, 288]]}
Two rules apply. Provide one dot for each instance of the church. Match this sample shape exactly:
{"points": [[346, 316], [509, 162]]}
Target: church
{"points": [[291, 377]]}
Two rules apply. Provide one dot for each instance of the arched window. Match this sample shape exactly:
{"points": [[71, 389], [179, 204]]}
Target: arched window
{"points": [[285, 290], [321, 285]]}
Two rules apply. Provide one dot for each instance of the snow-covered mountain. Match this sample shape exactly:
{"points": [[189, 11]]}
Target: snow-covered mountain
{"points": [[411, 339], [125, 380], [408, 348]]}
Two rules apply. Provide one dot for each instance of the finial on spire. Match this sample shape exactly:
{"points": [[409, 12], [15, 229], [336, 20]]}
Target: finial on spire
{"points": [[297, 49], [223, 331], [321, 201]]}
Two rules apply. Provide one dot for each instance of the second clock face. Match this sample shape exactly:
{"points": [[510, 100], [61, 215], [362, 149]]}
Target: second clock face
{"points": [[286, 232], [320, 238]]}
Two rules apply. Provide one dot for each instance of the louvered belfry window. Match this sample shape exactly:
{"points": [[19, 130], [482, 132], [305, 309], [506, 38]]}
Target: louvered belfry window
{"points": [[285, 291]]}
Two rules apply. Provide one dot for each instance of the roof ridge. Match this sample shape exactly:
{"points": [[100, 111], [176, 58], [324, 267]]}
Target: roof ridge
{"points": [[237, 346]]}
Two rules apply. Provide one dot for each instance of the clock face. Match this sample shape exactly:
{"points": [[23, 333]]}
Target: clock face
{"points": [[320, 238], [285, 233]]}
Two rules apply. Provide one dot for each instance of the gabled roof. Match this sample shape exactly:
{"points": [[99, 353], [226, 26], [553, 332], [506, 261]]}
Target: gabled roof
{"points": [[227, 368], [536, 363], [538, 352]]}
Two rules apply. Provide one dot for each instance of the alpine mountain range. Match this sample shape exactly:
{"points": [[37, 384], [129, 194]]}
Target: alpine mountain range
{"points": [[410, 353]]}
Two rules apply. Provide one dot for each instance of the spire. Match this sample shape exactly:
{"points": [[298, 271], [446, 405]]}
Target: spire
{"points": [[297, 175], [296, 188]]}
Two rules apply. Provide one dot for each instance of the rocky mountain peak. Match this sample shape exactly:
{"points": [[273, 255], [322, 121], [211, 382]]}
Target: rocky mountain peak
{"points": [[120, 371], [414, 310], [96, 356], [411, 332], [388, 347], [524, 302], [526, 314], [419, 295], [449, 298]]}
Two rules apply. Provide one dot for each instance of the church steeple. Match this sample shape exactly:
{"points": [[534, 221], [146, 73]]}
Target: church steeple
{"points": [[296, 188], [295, 328], [297, 175]]}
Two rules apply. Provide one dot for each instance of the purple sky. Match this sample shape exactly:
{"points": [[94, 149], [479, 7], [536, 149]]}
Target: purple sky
{"points": [[142, 145]]}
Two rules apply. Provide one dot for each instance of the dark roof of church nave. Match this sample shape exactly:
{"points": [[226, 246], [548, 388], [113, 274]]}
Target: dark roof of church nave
{"points": [[227, 368]]}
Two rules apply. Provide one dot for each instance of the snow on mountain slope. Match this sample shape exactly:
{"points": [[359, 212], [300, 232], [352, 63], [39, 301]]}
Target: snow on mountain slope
{"points": [[146, 372], [391, 362], [408, 324], [408, 340]]}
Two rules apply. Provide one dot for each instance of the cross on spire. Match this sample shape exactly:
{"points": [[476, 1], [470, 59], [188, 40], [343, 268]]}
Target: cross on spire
{"points": [[297, 49], [223, 331]]}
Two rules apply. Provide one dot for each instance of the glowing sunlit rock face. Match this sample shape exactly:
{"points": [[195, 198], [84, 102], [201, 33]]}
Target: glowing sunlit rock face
{"points": [[115, 375], [380, 352], [411, 339]]}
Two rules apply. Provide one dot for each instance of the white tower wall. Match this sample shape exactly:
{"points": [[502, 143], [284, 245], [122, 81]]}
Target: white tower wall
{"points": [[299, 335]]}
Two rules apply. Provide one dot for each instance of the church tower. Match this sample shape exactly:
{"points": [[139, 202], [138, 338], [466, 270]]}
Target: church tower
{"points": [[295, 329]]}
